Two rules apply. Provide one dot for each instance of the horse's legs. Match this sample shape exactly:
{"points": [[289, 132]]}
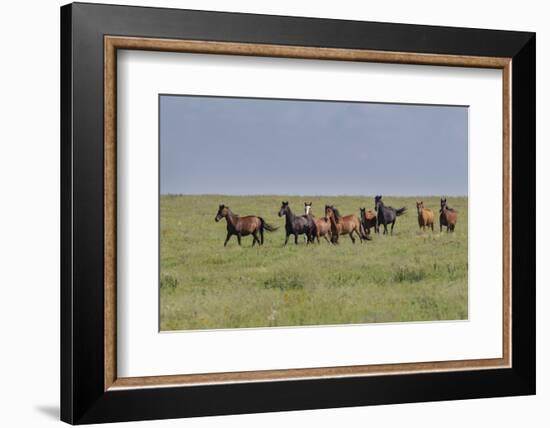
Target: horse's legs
{"points": [[432, 227], [440, 227], [227, 238], [392, 225], [295, 239], [262, 236], [385, 228], [287, 235], [255, 238], [239, 238]]}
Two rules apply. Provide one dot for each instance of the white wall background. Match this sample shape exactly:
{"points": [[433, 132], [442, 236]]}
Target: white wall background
{"points": [[29, 213]]}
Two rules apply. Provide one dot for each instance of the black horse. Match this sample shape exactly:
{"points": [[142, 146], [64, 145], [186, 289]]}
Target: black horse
{"points": [[297, 225], [386, 215]]}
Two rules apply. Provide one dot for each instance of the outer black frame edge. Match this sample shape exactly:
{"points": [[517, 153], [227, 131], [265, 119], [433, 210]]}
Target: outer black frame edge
{"points": [[66, 369], [524, 196], [82, 397]]}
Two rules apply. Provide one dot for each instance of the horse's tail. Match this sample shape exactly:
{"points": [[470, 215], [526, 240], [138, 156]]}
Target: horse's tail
{"points": [[400, 211], [266, 226]]}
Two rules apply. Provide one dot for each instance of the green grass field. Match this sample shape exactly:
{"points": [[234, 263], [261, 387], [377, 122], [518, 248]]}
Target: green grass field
{"points": [[411, 276]]}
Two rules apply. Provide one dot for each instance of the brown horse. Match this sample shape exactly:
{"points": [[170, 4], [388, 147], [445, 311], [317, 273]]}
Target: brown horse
{"points": [[447, 217], [425, 216], [244, 226], [346, 225], [368, 219], [322, 224]]}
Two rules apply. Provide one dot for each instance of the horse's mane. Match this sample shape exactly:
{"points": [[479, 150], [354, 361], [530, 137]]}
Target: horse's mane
{"points": [[448, 209], [336, 213], [231, 212]]}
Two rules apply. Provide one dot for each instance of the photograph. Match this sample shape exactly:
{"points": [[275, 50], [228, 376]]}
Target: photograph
{"points": [[294, 212]]}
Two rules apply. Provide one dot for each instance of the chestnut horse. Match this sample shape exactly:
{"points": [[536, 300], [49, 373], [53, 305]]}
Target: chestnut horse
{"points": [[447, 217], [322, 224], [425, 216], [243, 226], [346, 225], [368, 219]]}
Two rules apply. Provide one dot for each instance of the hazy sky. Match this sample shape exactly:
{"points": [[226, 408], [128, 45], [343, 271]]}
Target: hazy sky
{"points": [[244, 146]]}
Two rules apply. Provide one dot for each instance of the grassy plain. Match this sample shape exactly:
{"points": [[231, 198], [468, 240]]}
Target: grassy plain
{"points": [[412, 276]]}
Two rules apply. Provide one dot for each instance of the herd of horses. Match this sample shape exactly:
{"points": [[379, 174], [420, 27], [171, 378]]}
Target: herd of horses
{"points": [[333, 224]]}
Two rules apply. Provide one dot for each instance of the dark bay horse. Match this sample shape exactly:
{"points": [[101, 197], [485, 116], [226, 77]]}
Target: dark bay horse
{"points": [[322, 224], [447, 217], [244, 226], [297, 225], [368, 219], [344, 225], [386, 215]]}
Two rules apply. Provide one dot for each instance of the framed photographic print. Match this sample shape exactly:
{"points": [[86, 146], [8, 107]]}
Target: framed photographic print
{"points": [[265, 213]]}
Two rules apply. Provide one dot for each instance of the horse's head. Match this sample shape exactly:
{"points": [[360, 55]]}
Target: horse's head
{"points": [[284, 208], [377, 201], [222, 212], [419, 206], [443, 204], [307, 207], [332, 211], [362, 213]]}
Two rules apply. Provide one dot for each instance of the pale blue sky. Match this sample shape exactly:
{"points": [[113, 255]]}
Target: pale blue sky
{"points": [[244, 146]]}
